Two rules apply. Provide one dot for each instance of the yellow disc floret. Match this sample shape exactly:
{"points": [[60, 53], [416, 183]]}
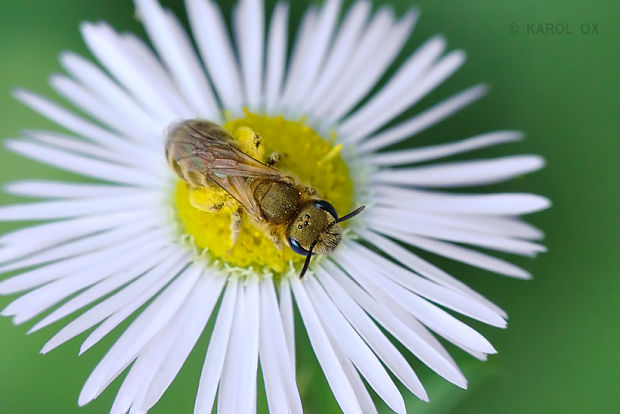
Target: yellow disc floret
{"points": [[205, 213]]}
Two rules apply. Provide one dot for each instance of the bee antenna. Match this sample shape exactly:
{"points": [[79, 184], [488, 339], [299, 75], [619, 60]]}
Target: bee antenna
{"points": [[351, 214], [307, 262]]}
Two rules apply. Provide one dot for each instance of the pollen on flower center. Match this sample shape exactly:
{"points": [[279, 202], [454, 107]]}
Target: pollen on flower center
{"points": [[305, 155]]}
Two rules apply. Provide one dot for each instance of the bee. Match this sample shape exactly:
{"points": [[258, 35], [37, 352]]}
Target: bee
{"points": [[205, 155]]}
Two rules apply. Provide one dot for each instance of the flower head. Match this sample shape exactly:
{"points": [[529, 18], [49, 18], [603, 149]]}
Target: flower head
{"points": [[143, 237]]}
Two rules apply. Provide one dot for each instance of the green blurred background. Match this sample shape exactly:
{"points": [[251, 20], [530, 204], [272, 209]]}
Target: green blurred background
{"points": [[560, 353]]}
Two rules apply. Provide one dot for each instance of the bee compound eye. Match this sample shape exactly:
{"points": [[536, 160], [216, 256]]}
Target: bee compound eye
{"points": [[324, 205], [296, 246]]}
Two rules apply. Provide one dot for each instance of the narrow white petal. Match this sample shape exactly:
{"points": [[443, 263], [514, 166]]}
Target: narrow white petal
{"points": [[273, 346], [288, 319], [358, 125], [174, 47], [83, 245], [462, 173], [75, 123], [249, 29], [99, 109], [376, 339], [422, 121], [249, 342], [328, 359], [180, 336], [294, 72], [395, 227], [499, 226], [312, 56], [359, 388], [22, 242], [392, 295], [376, 51], [417, 340], [216, 50], [427, 269], [101, 289], [276, 55], [276, 400], [465, 255], [403, 82], [36, 301], [74, 208], [59, 269], [341, 52], [145, 327], [354, 347], [129, 298], [91, 76], [499, 204], [132, 63], [416, 155], [429, 290], [85, 166], [67, 190], [216, 351]]}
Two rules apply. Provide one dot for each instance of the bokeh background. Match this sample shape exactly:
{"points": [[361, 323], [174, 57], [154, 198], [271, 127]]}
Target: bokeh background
{"points": [[560, 353]]}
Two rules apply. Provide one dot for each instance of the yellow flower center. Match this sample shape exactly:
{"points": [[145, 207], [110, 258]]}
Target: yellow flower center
{"points": [[305, 155]]}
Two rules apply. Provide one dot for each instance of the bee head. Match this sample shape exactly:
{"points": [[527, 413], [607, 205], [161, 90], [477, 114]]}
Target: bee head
{"points": [[315, 230]]}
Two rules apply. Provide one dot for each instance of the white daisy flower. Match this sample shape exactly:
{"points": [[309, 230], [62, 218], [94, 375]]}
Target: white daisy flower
{"points": [[137, 240]]}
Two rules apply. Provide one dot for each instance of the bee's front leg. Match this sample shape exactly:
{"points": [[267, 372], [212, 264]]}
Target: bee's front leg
{"points": [[235, 227], [275, 238]]}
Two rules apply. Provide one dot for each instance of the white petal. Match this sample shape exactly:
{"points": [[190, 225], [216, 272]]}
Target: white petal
{"points": [[101, 289], [56, 270], [360, 125], [462, 173], [379, 343], [75, 208], [328, 359], [417, 340], [398, 228], [474, 204], [36, 301], [276, 55], [25, 241], [75, 123], [83, 245], [421, 121], [139, 333], [443, 150], [167, 352], [217, 54], [436, 319], [174, 47], [128, 299], [273, 346], [104, 112], [288, 318], [403, 83], [462, 254], [309, 59], [249, 29], [427, 269], [429, 290], [341, 52], [354, 347], [361, 392], [92, 77], [133, 64], [69, 190], [216, 351], [85, 166], [377, 49]]}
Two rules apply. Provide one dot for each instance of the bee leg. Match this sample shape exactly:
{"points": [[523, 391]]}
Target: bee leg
{"points": [[235, 227], [250, 142], [273, 158], [273, 236]]}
